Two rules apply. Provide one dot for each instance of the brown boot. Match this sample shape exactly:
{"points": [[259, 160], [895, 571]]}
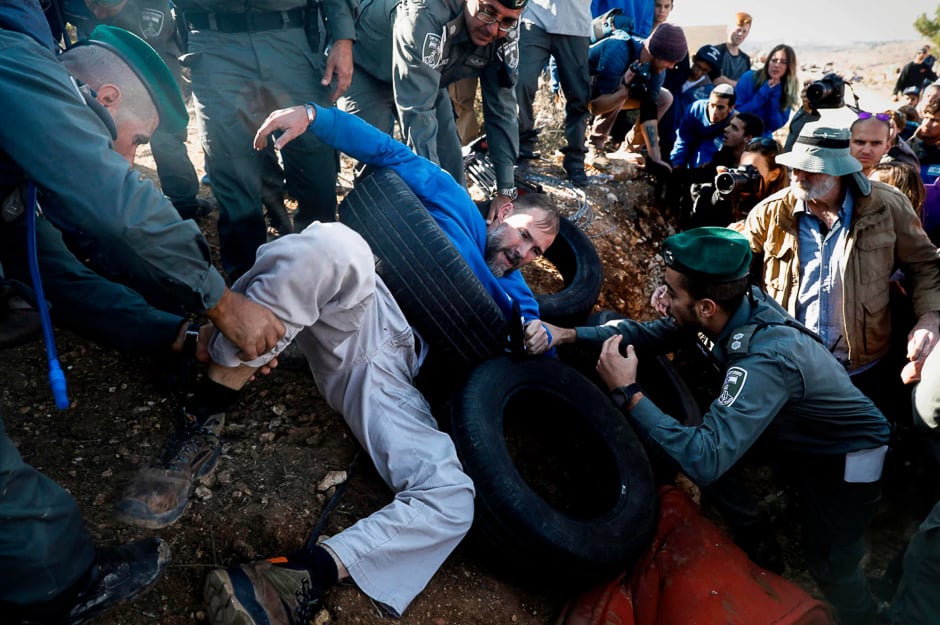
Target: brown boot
{"points": [[159, 493], [597, 159]]}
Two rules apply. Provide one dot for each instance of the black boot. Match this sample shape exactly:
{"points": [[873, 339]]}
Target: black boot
{"points": [[118, 575]]}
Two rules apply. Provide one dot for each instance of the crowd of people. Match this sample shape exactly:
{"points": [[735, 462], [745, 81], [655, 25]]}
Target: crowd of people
{"points": [[806, 264]]}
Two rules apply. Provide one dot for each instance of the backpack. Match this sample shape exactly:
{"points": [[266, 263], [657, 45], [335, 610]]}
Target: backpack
{"points": [[605, 24]]}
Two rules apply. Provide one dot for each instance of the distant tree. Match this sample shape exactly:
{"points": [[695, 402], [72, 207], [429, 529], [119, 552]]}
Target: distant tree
{"points": [[928, 27]]}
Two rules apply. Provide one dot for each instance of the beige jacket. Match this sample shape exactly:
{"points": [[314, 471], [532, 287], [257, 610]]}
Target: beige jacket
{"points": [[885, 234]]}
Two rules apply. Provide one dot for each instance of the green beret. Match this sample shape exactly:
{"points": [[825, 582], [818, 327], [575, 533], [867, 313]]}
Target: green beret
{"points": [[514, 4], [151, 70], [711, 254]]}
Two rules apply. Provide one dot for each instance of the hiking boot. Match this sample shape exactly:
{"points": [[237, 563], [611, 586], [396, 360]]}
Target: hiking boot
{"points": [[597, 159], [159, 493], [267, 592], [118, 575], [578, 178]]}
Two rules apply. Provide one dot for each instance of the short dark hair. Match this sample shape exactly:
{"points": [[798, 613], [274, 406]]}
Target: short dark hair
{"points": [[532, 202], [730, 97], [728, 295], [753, 125]]}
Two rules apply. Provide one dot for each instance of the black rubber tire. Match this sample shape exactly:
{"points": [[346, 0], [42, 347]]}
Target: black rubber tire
{"points": [[576, 259], [565, 493], [436, 289]]}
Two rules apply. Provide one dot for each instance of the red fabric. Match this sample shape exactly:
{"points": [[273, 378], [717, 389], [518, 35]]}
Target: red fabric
{"points": [[693, 574]]}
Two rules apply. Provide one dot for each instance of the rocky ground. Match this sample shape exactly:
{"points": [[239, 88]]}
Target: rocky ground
{"points": [[282, 441]]}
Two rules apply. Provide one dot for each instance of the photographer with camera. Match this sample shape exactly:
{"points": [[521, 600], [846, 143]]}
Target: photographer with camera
{"points": [[735, 190], [771, 92], [701, 130], [627, 73]]}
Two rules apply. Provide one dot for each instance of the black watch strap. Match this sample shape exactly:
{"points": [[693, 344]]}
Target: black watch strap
{"points": [[191, 338], [621, 396]]}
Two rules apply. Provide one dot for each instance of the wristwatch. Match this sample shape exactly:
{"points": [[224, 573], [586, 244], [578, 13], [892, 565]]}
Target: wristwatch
{"points": [[621, 396], [510, 192], [311, 113]]}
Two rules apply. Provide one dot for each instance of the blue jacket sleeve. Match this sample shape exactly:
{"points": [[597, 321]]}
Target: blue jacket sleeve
{"points": [[686, 138], [762, 101], [448, 203], [611, 59]]}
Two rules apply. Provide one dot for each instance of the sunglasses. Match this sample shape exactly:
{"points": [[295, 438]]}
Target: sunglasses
{"points": [[763, 142], [883, 117]]}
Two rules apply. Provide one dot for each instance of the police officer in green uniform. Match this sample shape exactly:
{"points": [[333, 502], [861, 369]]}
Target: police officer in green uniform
{"points": [[781, 381], [409, 51], [248, 58], [93, 297], [154, 22], [50, 570]]}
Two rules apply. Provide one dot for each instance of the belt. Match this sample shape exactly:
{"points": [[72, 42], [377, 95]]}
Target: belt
{"points": [[245, 22]]}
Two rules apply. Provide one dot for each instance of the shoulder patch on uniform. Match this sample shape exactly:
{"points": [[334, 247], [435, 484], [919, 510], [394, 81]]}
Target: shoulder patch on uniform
{"points": [[732, 386], [432, 52], [151, 23], [509, 53]]}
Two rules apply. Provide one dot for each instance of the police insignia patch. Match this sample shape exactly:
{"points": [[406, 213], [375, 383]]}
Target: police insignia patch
{"points": [[151, 23], [432, 52], [509, 53], [733, 384]]}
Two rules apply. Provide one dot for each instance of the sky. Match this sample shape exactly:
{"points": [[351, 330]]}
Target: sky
{"points": [[819, 22]]}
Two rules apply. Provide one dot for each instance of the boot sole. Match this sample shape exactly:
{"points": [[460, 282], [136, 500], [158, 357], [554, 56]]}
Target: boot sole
{"points": [[159, 567], [223, 606], [132, 512]]}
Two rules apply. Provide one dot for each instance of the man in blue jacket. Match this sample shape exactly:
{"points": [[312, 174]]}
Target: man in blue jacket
{"points": [[361, 351], [701, 131]]}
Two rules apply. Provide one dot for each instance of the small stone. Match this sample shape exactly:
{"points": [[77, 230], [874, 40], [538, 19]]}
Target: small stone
{"points": [[333, 478], [203, 493], [267, 437]]}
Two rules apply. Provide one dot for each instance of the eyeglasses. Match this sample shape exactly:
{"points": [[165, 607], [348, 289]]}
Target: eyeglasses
{"points": [[883, 117], [488, 16]]}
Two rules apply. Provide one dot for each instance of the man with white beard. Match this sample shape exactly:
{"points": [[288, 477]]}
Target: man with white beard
{"points": [[830, 244]]}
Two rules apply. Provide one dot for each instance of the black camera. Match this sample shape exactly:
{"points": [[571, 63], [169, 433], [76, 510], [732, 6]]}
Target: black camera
{"points": [[738, 180], [826, 93], [640, 85]]}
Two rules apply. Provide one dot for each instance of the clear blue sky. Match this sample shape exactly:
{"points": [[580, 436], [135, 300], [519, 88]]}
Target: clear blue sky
{"points": [[812, 21]]}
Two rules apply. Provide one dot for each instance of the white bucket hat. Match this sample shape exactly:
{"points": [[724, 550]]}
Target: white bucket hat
{"points": [[821, 150]]}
